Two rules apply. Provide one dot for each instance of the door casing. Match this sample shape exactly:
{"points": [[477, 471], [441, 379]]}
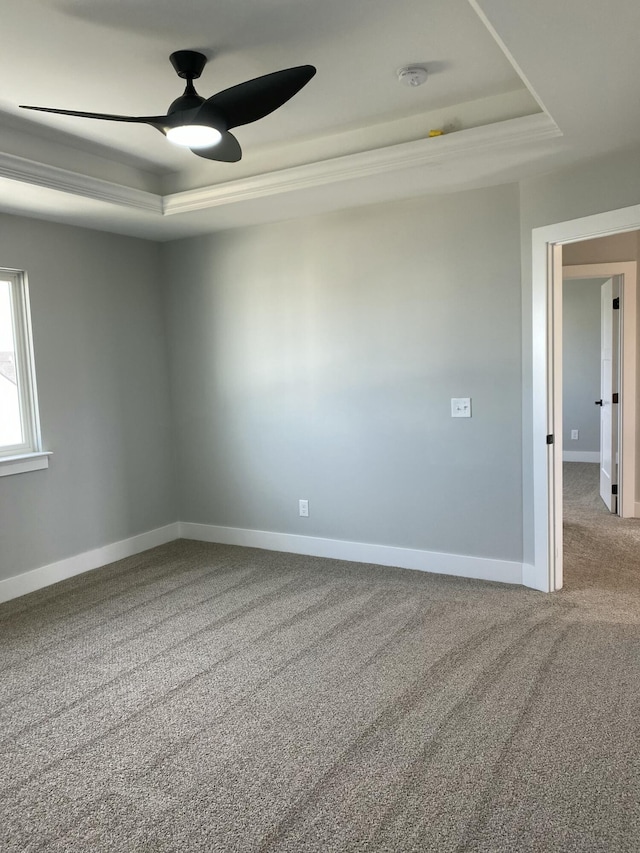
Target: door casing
{"points": [[545, 573]]}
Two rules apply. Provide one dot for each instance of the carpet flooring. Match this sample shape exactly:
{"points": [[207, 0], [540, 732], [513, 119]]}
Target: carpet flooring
{"points": [[201, 698]]}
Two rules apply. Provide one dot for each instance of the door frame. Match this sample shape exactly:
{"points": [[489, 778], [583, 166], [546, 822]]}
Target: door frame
{"points": [[626, 274], [546, 571]]}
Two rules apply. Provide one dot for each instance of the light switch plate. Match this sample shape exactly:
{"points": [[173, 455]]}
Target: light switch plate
{"points": [[461, 407]]}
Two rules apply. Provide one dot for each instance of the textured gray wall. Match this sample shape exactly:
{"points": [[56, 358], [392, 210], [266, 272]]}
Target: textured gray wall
{"points": [[101, 368], [316, 359], [606, 183], [581, 363]]}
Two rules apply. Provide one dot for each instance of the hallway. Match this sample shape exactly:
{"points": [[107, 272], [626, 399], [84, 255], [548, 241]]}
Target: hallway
{"points": [[601, 550]]}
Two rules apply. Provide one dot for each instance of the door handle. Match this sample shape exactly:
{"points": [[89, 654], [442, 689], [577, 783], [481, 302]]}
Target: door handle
{"points": [[598, 402]]}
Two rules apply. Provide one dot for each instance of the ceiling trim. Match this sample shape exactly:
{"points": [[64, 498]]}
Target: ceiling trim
{"points": [[429, 152], [26, 171], [477, 8], [406, 155]]}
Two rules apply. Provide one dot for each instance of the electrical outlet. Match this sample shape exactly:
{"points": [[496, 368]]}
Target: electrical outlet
{"points": [[303, 508], [461, 407], [574, 435]]}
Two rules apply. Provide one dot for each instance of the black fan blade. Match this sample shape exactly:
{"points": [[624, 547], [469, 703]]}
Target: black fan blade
{"points": [[257, 98], [154, 121], [226, 151]]}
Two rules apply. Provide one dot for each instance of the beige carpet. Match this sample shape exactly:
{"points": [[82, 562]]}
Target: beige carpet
{"points": [[208, 698], [601, 550]]}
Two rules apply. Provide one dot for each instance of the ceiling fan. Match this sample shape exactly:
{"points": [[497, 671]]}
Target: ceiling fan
{"points": [[203, 125]]}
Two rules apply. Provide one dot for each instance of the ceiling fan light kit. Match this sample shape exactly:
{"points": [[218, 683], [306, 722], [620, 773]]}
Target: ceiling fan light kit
{"points": [[194, 135], [203, 125]]}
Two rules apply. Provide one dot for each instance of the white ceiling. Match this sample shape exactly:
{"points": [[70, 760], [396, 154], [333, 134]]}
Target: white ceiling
{"points": [[519, 88]]}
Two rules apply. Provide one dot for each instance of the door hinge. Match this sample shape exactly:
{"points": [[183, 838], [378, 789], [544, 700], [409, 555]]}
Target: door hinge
{"points": [[616, 302], [614, 398], [549, 439], [614, 490]]}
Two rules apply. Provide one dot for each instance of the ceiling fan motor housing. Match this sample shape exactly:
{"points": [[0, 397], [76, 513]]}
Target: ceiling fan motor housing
{"points": [[188, 101]]}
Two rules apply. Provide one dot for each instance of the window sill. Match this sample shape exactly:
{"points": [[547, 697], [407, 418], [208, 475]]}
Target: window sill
{"points": [[23, 463]]}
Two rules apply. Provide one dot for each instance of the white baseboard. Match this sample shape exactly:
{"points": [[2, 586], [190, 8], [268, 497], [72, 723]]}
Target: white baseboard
{"points": [[580, 455], [63, 569], [481, 568], [531, 578]]}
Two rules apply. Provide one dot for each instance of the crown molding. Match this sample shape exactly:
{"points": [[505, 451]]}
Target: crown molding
{"points": [[422, 152], [20, 169]]}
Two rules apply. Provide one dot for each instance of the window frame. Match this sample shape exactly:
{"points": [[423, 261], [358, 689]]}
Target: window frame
{"points": [[28, 455]]}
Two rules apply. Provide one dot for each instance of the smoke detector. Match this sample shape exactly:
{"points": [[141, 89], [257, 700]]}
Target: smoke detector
{"points": [[412, 75]]}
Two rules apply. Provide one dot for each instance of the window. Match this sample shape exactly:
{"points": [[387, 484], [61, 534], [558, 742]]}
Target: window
{"points": [[20, 447]]}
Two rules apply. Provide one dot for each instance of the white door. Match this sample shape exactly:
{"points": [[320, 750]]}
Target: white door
{"points": [[608, 385]]}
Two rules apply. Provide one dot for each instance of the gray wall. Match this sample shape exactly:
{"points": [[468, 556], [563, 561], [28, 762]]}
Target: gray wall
{"points": [[581, 363], [101, 368], [316, 359], [311, 359]]}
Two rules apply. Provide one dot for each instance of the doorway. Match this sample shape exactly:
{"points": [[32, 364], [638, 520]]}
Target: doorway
{"points": [[592, 361], [618, 358], [546, 572]]}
